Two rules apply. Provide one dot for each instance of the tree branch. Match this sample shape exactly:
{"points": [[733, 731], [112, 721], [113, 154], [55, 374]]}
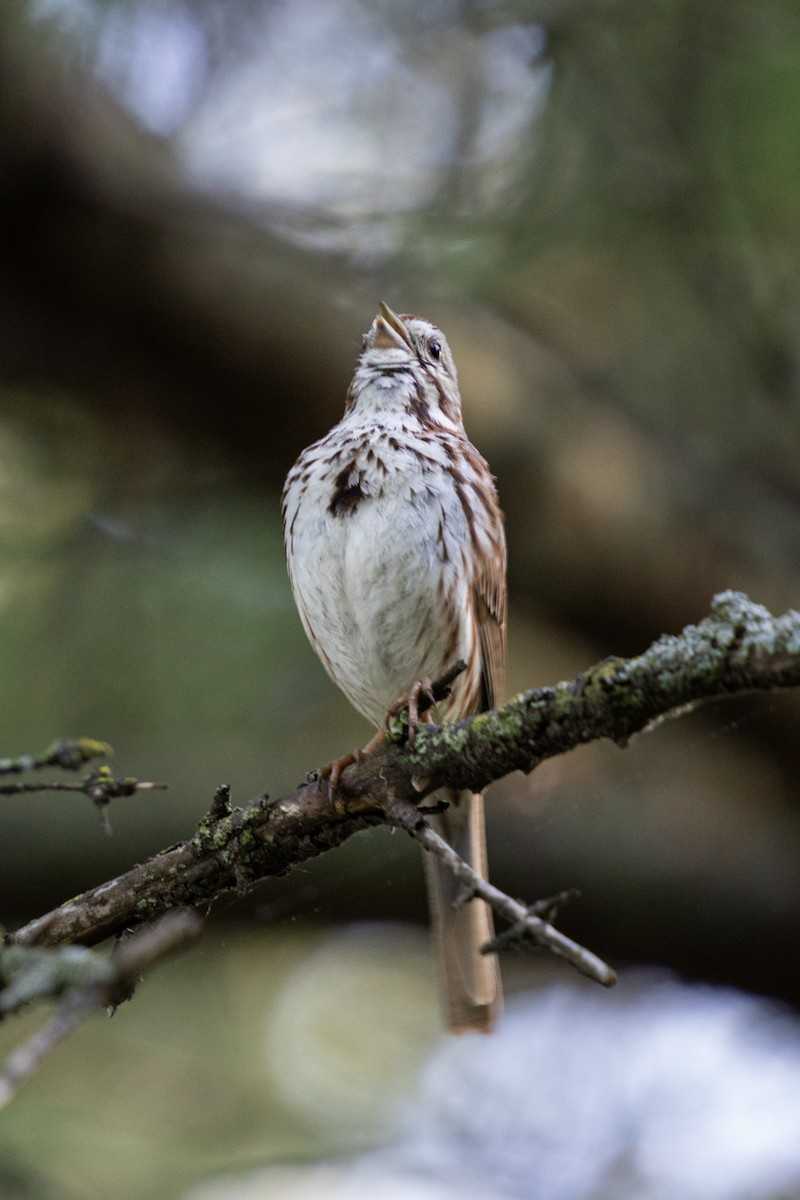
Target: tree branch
{"points": [[100, 786], [68, 753], [86, 981], [739, 647], [526, 924]]}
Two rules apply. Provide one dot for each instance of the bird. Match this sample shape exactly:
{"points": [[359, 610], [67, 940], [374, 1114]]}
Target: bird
{"points": [[396, 555]]}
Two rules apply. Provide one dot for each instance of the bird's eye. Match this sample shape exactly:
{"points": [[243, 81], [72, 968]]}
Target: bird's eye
{"points": [[436, 350]]}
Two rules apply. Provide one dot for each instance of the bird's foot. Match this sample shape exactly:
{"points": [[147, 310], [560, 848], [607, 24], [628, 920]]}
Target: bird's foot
{"points": [[333, 769], [422, 687]]}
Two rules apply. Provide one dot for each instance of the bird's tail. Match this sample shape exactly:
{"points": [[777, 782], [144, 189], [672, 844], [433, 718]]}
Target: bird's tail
{"points": [[469, 982]]}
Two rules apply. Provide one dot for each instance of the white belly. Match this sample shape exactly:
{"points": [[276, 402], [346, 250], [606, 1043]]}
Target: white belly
{"points": [[369, 584]]}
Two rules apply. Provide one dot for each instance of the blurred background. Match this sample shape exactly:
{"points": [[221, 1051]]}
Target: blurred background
{"points": [[202, 203]]}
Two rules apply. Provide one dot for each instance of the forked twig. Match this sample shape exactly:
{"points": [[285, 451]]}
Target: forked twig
{"points": [[107, 984], [526, 925]]}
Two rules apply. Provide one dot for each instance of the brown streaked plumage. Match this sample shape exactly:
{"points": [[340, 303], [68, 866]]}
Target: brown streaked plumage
{"points": [[397, 559]]}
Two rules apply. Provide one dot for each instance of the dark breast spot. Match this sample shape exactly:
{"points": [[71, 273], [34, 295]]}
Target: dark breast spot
{"points": [[348, 491]]}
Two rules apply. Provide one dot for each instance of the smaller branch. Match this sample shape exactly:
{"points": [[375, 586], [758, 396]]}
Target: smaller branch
{"points": [[547, 909], [100, 786], [526, 925], [67, 753], [27, 1058], [42, 785], [108, 982], [145, 949], [439, 689]]}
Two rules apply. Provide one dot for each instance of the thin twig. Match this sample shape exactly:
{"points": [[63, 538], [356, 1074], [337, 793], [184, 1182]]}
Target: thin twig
{"points": [[67, 753], [402, 721], [131, 958], [93, 786], [440, 688], [25, 1060], [405, 815], [101, 787]]}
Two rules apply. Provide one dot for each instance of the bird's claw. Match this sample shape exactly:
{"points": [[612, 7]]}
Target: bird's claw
{"points": [[422, 687], [333, 769]]}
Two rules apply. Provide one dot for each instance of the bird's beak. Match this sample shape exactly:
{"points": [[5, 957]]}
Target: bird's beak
{"points": [[390, 331]]}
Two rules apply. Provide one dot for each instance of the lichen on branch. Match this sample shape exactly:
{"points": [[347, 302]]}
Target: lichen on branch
{"points": [[738, 647]]}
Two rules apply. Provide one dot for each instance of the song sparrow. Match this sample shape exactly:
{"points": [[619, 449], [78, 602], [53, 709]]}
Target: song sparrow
{"points": [[397, 560]]}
